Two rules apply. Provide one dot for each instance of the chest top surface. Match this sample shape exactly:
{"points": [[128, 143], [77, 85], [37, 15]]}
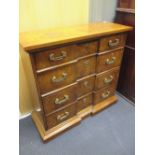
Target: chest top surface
{"points": [[60, 35]]}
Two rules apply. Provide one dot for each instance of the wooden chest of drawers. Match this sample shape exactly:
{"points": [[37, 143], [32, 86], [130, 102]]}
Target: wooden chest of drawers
{"points": [[75, 72]]}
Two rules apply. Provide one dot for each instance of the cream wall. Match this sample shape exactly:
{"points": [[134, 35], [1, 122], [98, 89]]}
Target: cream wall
{"points": [[40, 14]]}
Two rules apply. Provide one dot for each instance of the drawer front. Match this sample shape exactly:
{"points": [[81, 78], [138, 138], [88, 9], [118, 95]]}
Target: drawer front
{"points": [[61, 115], [59, 99], [112, 42], [109, 60], [86, 66], [108, 78], [85, 86], [56, 78], [55, 57], [103, 94], [84, 102], [87, 48]]}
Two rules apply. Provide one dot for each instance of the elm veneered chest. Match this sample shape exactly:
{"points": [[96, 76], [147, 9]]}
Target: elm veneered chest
{"points": [[75, 71]]}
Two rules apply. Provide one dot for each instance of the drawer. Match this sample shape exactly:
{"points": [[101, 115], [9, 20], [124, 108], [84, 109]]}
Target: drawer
{"points": [[109, 60], [86, 66], [85, 85], [111, 42], [54, 79], [59, 99], [61, 115], [108, 78], [87, 48], [53, 57], [84, 102], [103, 94]]}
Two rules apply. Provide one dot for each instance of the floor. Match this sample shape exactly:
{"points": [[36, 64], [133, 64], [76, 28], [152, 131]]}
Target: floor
{"points": [[110, 132]]}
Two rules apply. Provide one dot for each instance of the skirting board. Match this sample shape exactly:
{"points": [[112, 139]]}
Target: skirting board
{"points": [[26, 115]]}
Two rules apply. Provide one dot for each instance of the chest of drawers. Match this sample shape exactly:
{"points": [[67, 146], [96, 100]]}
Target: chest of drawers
{"points": [[75, 72]]}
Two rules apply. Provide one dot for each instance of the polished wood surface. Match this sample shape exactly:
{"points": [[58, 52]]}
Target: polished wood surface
{"points": [[85, 112], [61, 35], [103, 94], [61, 115], [56, 78], [56, 56], [112, 42], [108, 78], [86, 66], [59, 99], [108, 60], [102, 105], [84, 102], [75, 77], [126, 84], [87, 48], [86, 85]]}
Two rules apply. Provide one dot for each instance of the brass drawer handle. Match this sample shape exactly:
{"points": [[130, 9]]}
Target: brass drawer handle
{"points": [[108, 80], [112, 61], [106, 94], [60, 79], [59, 102], [63, 116], [53, 58], [114, 43]]}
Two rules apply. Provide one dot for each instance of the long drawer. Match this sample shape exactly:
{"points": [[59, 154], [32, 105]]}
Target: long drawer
{"points": [[56, 56]]}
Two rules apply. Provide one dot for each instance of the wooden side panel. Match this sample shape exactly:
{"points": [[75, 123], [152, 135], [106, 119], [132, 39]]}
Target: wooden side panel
{"points": [[30, 81]]}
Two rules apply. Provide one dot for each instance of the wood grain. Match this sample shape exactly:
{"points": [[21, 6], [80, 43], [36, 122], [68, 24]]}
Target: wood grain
{"points": [[104, 42], [54, 36], [86, 66], [50, 103], [85, 85], [84, 102], [46, 82], [52, 119], [72, 52], [107, 92], [102, 59], [102, 105]]}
